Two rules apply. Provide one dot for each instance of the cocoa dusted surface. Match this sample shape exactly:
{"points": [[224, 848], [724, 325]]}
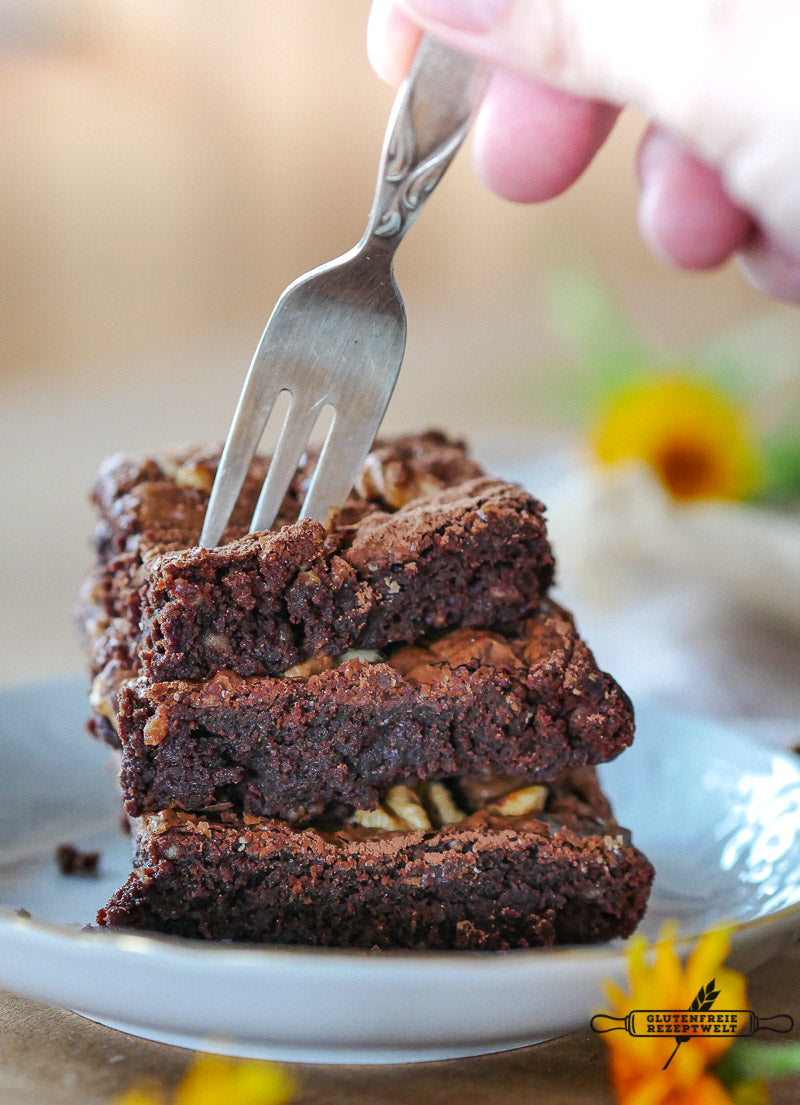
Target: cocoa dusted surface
{"points": [[569, 875], [470, 702]]}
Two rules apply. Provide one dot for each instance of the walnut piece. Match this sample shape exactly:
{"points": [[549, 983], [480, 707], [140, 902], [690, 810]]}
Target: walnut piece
{"points": [[195, 475], [393, 481], [403, 802], [309, 667], [520, 802]]}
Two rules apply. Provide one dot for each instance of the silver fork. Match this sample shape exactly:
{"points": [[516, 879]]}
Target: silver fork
{"points": [[337, 335]]}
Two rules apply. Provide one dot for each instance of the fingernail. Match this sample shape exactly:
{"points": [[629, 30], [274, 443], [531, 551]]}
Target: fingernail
{"points": [[476, 16]]}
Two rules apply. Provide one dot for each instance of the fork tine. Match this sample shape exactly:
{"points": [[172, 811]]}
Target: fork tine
{"points": [[345, 450], [292, 444], [252, 414]]}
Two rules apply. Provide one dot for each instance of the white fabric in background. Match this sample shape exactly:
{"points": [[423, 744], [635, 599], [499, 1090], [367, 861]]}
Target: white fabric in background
{"points": [[696, 606]]}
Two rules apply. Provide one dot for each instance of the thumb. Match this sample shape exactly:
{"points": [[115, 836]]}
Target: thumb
{"points": [[719, 74], [651, 54]]}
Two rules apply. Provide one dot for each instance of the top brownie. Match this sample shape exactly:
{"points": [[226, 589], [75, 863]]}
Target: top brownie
{"points": [[153, 504], [471, 555], [424, 542]]}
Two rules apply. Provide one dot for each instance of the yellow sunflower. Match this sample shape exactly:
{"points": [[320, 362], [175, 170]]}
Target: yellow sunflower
{"points": [[693, 438], [653, 1070], [216, 1080]]}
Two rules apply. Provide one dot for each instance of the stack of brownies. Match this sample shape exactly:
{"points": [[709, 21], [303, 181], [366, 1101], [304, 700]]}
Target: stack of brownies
{"points": [[379, 734]]}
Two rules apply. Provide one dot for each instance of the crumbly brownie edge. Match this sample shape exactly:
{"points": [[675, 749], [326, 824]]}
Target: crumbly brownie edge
{"points": [[479, 887]]}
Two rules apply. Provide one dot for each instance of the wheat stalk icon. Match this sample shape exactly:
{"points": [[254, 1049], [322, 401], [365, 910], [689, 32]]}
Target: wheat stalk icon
{"points": [[702, 1002]]}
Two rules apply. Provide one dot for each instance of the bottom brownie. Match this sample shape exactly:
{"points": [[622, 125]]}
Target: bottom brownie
{"points": [[563, 874]]}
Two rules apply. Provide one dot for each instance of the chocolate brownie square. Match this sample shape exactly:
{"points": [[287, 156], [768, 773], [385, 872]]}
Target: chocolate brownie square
{"points": [[566, 873], [469, 702]]}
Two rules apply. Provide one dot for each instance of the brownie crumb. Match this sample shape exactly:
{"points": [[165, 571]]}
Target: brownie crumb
{"points": [[72, 861]]}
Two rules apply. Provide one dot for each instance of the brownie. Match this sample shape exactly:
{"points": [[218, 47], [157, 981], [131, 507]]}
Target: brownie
{"points": [[567, 874], [153, 504], [474, 555], [468, 702]]}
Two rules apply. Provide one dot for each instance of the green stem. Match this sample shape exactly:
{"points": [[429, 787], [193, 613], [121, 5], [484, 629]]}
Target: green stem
{"points": [[746, 1061]]}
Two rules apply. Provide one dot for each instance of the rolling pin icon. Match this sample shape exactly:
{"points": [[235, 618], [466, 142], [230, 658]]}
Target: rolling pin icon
{"points": [[672, 1022]]}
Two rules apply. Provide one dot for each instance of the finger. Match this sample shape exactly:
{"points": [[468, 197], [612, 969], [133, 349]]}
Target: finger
{"points": [[619, 49], [720, 75], [771, 268], [532, 142], [392, 40], [685, 214]]}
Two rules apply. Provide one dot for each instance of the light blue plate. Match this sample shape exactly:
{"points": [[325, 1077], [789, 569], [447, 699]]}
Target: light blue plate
{"points": [[717, 813]]}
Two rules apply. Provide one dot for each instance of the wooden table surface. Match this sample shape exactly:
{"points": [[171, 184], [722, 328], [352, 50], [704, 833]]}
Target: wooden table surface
{"points": [[52, 1057]]}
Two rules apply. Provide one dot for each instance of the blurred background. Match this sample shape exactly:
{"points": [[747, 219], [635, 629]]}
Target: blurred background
{"points": [[168, 166]]}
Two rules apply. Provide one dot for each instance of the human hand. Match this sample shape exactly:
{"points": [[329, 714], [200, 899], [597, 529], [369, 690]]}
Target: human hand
{"points": [[719, 165]]}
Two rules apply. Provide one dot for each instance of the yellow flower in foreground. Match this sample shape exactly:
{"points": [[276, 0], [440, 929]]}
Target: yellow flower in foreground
{"points": [[690, 435], [653, 1070], [216, 1080]]}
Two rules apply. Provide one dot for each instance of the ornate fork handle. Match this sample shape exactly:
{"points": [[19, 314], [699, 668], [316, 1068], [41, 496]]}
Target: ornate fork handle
{"points": [[429, 121]]}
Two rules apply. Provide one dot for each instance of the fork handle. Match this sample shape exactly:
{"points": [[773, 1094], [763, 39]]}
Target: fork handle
{"points": [[429, 120]]}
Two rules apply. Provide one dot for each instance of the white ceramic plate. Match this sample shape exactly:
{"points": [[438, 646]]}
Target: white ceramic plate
{"points": [[718, 814]]}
